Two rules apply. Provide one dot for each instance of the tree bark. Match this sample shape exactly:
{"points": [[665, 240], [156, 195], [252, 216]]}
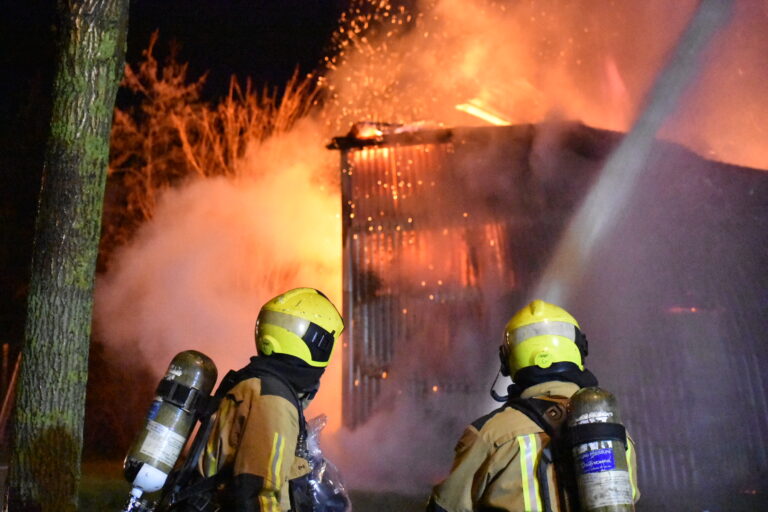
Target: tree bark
{"points": [[50, 401]]}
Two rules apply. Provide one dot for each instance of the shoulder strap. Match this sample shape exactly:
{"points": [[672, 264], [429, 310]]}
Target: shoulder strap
{"points": [[181, 485], [549, 415], [230, 380]]}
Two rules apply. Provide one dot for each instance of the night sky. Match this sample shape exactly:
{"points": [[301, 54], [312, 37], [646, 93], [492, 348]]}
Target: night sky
{"points": [[265, 40], [262, 39]]}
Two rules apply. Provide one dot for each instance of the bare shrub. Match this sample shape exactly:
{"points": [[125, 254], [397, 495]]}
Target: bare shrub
{"points": [[169, 135]]}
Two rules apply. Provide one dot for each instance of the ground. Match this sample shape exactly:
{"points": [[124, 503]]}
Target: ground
{"points": [[103, 488]]}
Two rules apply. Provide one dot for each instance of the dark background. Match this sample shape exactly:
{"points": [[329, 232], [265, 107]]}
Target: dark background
{"points": [[266, 40]]}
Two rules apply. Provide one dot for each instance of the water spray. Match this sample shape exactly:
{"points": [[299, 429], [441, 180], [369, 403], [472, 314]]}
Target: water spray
{"points": [[602, 208]]}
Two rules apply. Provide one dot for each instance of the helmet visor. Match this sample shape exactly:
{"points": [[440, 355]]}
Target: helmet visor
{"points": [[545, 328], [318, 340]]}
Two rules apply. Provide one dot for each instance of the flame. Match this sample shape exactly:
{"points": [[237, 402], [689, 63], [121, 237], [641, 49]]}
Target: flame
{"points": [[476, 108], [527, 62], [367, 131]]}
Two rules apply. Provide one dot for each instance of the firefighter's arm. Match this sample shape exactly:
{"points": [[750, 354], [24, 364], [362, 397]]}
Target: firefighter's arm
{"points": [[468, 478], [265, 453]]}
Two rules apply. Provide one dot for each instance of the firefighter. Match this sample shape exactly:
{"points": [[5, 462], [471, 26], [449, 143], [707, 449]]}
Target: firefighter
{"points": [[256, 452], [501, 460]]}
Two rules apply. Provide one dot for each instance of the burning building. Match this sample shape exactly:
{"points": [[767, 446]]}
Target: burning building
{"points": [[425, 231], [446, 231]]}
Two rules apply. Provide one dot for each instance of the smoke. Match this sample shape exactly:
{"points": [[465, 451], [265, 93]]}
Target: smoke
{"points": [[405, 447], [218, 248]]}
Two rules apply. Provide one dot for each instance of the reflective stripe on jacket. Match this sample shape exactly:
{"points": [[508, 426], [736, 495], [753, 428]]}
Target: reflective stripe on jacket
{"points": [[497, 458], [254, 435]]}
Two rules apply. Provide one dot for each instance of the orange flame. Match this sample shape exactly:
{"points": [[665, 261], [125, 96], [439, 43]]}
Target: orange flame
{"points": [[526, 62]]}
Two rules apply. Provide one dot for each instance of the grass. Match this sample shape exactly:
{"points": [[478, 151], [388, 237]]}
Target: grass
{"points": [[366, 501], [104, 489]]}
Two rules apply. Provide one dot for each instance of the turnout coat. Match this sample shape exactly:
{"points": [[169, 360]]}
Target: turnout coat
{"points": [[255, 438], [497, 458]]}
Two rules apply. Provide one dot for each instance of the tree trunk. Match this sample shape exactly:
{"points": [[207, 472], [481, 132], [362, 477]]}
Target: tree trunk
{"points": [[48, 433]]}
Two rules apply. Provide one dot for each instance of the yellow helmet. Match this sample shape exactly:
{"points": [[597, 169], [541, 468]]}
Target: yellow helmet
{"points": [[542, 334], [302, 323]]}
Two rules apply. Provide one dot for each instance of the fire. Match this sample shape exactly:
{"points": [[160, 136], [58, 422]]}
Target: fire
{"points": [[524, 63], [475, 107], [245, 202], [367, 131]]}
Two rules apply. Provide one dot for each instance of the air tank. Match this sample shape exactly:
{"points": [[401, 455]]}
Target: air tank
{"points": [[178, 399], [598, 441]]}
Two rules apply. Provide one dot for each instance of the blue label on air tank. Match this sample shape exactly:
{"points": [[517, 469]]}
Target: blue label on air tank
{"points": [[154, 409], [596, 461]]}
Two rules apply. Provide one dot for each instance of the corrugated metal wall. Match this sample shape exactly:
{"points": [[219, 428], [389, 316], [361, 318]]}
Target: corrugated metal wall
{"points": [[416, 241]]}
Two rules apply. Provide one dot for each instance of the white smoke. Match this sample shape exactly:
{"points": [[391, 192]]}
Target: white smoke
{"points": [[196, 275], [216, 249]]}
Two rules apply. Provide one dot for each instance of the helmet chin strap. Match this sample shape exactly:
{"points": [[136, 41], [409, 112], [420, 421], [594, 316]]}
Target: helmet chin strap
{"points": [[310, 394], [494, 394], [562, 371]]}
